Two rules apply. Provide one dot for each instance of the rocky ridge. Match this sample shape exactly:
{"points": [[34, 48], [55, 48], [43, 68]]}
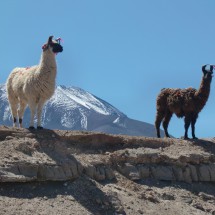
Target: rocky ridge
{"points": [[112, 171]]}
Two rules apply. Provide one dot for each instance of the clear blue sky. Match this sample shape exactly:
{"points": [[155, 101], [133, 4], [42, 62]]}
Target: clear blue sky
{"points": [[123, 51]]}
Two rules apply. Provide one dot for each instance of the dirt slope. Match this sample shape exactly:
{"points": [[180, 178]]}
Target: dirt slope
{"points": [[71, 172]]}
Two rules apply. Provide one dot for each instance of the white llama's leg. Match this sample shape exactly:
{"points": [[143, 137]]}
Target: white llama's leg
{"points": [[21, 111], [39, 113], [13, 106]]}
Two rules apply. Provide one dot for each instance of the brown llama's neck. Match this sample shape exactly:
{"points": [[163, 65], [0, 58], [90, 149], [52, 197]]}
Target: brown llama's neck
{"points": [[203, 92]]}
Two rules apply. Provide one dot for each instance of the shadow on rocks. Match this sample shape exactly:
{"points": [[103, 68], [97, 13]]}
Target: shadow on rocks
{"points": [[83, 191]]}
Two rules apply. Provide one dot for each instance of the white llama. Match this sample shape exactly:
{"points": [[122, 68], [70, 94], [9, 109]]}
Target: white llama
{"points": [[33, 86]]}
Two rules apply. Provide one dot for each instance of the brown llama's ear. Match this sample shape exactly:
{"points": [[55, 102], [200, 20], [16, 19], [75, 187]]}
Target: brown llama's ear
{"points": [[203, 69]]}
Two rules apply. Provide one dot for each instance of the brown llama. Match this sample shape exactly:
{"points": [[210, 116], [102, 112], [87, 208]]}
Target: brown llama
{"points": [[185, 103]]}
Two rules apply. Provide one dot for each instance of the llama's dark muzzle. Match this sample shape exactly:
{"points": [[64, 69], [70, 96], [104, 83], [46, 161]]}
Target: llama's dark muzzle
{"points": [[57, 48]]}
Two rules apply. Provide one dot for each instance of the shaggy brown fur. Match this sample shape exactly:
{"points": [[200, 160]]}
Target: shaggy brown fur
{"points": [[184, 103]]}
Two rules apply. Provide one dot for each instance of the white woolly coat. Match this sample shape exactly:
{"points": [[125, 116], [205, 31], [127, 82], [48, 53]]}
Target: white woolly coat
{"points": [[36, 83]]}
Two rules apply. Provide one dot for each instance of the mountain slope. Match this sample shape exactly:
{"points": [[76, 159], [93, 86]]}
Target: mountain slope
{"points": [[72, 108]]}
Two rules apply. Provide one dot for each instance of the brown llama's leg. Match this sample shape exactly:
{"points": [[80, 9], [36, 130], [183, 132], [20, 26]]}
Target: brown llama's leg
{"points": [[193, 122], [187, 121], [167, 118], [159, 118]]}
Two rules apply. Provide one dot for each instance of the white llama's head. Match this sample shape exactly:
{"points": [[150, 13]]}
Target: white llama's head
{"points": [[53, 45]]}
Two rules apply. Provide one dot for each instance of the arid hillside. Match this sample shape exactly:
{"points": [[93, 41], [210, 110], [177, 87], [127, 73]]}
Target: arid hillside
{"points": [[72, 172]]}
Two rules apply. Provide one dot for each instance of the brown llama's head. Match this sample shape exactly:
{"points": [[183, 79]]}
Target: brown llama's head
{"points": [[208, 73]]}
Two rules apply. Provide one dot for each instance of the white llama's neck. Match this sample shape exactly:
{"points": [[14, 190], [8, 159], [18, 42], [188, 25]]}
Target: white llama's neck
{"points": [[48, 60], [48, 64]]}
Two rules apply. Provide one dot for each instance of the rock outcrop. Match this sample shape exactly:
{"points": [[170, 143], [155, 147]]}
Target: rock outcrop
{"points": [[58, 155]]}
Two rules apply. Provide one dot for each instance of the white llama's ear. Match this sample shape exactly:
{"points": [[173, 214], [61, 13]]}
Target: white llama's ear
{"points": [[50, 40]]}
